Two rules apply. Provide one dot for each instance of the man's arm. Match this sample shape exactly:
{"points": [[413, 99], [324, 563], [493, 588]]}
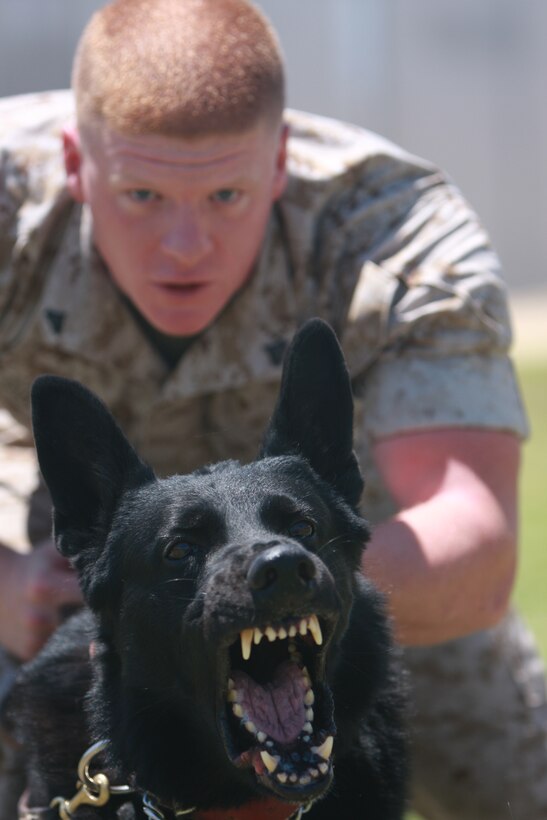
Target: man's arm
{"points": [[447, 559]]}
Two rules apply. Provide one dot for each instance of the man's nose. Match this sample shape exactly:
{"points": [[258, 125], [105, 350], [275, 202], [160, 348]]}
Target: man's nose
{"points": [[186, 238]]}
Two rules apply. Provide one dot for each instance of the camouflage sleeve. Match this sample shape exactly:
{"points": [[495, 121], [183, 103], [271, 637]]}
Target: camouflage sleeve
{"points": [[441, 322]]}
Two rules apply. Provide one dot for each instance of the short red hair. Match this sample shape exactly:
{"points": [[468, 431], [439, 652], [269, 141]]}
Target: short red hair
{"points": [[178, 67]]}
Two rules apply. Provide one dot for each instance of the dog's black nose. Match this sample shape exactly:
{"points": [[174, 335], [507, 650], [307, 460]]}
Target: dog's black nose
{"points": [[283, 569]]}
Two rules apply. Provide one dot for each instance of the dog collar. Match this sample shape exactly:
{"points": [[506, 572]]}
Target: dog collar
{"points": [[266, 809]]}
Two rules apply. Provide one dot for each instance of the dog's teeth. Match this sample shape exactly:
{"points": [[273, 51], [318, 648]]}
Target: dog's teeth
{"points": [[232, 696], [292, 631], [282, 777], [325, 750], [271, 634], [323, 768], [282, 633], [306, 738], [303, 627], [309, 714], [237, 710], [261, 737], [257, 637], [270, 761], [315, 630], [231, 684], [293, 778], [250, 727], [306, 677], [246, 636], [304, 780], [309, 698], [314, 772], [307, 727]]}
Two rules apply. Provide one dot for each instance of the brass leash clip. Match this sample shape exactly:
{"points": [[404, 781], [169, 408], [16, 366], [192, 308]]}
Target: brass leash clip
{"points": [[92, 790]]}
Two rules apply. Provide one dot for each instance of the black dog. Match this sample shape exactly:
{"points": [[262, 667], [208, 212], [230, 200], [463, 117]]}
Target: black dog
{"points": [[241, 666]]}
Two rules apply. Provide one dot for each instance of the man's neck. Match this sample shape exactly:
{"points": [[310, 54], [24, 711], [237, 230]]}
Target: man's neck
{"points": [[170, 348]]}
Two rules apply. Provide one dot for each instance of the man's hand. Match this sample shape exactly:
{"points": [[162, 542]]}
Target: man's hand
{"points": [[34, 588]]}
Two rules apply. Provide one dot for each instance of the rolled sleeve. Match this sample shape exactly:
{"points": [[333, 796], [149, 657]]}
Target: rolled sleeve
{"points": [[415, 393], [442, 358]]}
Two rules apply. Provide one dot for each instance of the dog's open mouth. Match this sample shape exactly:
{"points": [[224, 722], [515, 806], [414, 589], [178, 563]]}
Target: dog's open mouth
{"points": [[279, 708]]}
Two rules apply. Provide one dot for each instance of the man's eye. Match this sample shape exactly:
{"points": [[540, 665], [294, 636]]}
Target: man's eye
{"points": [[226, 195], [142, 195], [178, 550]]}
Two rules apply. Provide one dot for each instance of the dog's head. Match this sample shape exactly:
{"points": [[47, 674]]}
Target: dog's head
{"points": [[222, 596]]}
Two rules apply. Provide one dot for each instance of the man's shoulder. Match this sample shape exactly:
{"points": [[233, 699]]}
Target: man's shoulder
{"points": [[326, 150], [31, 164], [26, 116]]}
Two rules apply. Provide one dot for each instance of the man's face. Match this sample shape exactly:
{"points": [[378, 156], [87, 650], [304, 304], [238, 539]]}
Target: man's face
{"points": [[178, 222]]}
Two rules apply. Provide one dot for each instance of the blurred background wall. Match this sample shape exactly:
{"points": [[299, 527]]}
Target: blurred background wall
{"points": [[460, 83]]}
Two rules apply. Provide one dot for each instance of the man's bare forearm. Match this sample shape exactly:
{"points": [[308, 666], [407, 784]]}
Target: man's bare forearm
{"points": [[447, 570]]}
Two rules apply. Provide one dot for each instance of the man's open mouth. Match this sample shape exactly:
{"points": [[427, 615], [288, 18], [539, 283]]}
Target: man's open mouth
{"points": [[278, 711]]}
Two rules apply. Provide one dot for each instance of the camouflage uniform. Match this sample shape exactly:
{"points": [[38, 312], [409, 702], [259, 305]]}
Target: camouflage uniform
{"points": [[382, 245]]}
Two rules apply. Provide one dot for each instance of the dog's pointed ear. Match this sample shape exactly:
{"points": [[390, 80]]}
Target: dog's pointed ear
{"points": [[314, 412], [85, 459]]}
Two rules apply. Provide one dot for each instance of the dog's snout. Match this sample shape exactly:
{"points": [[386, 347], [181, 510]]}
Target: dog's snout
{"points": [[282, 568]]}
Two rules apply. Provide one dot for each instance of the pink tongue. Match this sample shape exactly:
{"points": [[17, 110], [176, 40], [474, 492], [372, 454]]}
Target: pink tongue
{"points": [[277, 708]]}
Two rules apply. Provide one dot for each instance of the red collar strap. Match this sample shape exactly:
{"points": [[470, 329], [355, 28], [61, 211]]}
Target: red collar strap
{"points": [[267, 809]]}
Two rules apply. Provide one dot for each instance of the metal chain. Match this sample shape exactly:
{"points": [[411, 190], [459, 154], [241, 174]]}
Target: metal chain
{"points": [[302, 810], [153, 811]]}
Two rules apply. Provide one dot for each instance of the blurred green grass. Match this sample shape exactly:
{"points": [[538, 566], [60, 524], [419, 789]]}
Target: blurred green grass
{"points": [[530, 593]]}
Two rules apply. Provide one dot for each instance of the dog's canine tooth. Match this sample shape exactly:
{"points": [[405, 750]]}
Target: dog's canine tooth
{"points": [[307, 727], [309, 714], [257, 635], [270, 761], [309, 698], [250, 727], [237, 710], [325, 750], [292, 631], [282, 777], [246, 636], [261, 737], [303, 627], [315, 629]]}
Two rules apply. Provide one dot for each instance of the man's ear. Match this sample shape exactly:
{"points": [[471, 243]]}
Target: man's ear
{"points": [[280, 174], [314, 412], [85, 459], [72, 155]]}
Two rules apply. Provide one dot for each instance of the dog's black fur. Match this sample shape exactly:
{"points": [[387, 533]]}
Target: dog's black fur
{"points": [[173, 570]]}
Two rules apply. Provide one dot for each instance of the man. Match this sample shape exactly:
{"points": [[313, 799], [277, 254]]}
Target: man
{"points": [[196, 229]]}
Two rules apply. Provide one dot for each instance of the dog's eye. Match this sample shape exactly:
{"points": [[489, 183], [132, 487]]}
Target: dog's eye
{"points": [[301, 529], [178, 550]]}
